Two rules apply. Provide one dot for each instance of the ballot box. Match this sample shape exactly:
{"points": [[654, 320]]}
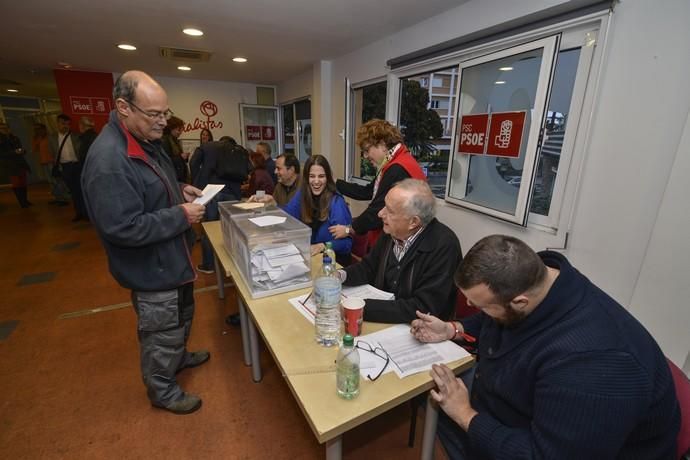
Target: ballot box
{"points": [[230, 208], [271, 250]]}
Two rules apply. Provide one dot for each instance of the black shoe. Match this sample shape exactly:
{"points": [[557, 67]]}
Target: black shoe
{"points": [[62, 203], [77, 218], [233, 320], [187, 404], [203, 269], [195, 358]]}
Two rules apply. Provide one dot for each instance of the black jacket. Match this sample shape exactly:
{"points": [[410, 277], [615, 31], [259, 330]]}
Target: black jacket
{"points": [[203, 168], [133, 199], [426, 276]]}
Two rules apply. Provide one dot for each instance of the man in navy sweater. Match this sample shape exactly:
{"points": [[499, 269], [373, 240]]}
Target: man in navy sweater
{"points": [[563, 371]]}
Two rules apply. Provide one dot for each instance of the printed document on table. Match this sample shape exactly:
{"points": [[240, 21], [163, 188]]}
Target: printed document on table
{"points": [[208, 193], [367, 291], [408, 355]]}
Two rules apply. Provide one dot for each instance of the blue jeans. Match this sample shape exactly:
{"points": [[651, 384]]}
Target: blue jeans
{"points": [[212, 214]]}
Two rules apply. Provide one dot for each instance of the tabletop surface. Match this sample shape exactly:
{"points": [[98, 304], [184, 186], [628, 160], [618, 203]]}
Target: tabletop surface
{"points": [[309, 368]]}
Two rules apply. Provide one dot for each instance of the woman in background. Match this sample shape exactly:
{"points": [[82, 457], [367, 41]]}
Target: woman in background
{"points": [[382, 144], [259, 178], [171, 144], [318, 204], [195, 166]]}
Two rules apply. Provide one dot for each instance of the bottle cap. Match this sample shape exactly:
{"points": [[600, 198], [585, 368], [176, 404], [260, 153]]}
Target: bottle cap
{"points": [[348, 340], [329, 245]]}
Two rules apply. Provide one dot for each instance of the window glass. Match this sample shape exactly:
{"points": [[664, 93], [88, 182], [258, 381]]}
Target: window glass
{"points": [[288, 128], [427, 113], [368, 102], [556, 124]]}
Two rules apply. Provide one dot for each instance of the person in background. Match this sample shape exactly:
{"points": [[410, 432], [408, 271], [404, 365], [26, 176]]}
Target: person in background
{"points": [[415, 258], [287, 172], [194, 166], [205, 136], [264, 148], [13, 162], [171, 144], [381, 143], [563, 370], [318, 204], [87, 136], [65, 148], [259, 178], [47, 161], [144, 218], [205, 161]]}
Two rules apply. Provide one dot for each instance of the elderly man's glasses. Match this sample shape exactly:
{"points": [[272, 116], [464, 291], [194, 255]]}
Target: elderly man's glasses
{"points": [[379, 352], [167, 115]]}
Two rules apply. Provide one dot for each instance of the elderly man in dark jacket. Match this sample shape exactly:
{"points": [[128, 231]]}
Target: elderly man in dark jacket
{"points": [[415, 259], [144, 218]]}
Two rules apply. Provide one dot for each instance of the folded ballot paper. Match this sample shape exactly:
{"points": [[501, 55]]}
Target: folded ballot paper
{"points": [[279, 265]]}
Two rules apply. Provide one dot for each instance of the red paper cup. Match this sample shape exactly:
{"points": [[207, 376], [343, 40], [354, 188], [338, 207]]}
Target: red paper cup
{"points": [[353, 315]]}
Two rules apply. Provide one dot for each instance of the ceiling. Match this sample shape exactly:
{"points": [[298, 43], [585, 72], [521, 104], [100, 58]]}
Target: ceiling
{"points": [[280, 38]]}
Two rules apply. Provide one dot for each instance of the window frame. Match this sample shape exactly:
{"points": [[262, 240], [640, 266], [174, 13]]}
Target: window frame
{"points": [[577, 139]]}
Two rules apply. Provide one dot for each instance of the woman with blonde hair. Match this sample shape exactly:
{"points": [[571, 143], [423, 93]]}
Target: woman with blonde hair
{"points": [[382, 144]]}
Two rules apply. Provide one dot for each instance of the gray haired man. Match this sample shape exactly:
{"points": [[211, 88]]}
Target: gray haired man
{"points": [[415, 259]]}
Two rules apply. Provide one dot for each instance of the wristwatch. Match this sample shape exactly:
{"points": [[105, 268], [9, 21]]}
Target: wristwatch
{"points": [[347, 229]]}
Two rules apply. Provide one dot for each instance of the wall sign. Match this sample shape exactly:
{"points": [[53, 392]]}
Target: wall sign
{"points": [[85, 94], [496, 134]]}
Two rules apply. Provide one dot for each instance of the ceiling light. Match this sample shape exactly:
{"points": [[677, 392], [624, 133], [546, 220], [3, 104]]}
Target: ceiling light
{"points": [[499, 82], [505, 69], [193, 32], [11, 90], [184, 67], [64, 65], [239, 59], [126, 47]]}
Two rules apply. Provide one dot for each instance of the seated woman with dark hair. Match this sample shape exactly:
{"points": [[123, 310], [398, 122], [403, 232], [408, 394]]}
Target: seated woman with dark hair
{"points": [[259, 179], [319, 205]]}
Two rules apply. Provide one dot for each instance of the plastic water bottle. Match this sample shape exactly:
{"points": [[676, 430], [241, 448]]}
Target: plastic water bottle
{"points": [[347, 370], [330, 252], [327, 290]]}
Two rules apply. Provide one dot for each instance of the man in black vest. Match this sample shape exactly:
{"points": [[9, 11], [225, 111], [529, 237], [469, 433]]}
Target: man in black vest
{"points": [[415, 259]]}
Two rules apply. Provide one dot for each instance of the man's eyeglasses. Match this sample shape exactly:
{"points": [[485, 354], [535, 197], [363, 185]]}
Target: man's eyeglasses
{"points": [[379, 352], [167, 115]]}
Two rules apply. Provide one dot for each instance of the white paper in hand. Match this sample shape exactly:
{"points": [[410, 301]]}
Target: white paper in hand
{"points": [[208, 193]]}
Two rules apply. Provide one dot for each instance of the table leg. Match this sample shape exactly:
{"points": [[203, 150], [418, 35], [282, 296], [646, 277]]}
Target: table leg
{"points": [[334, 448], [219, 278], [244, 330], [430, 421], [254, 350]]}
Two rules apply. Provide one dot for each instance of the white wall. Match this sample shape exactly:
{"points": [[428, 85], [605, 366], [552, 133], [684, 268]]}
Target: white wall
{"points": [[638, 121], [296, 88], [185, 97]]}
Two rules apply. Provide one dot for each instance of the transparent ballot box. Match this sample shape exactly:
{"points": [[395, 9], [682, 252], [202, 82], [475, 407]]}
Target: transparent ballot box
{"points": [[227, 209], [271, 250]]}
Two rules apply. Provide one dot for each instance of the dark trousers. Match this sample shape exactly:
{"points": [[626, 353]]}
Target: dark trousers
{"points": [[71, 174], [164, 321]]}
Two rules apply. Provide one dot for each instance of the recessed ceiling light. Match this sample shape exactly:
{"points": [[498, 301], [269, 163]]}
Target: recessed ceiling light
{"points": [[11, 90], [499, 82], [505, 69], [64, 65], [193, 32], [239, 59], [184, 67], [126, 47]]}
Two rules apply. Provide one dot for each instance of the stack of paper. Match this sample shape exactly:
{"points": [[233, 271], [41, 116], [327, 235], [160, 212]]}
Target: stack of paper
{"points": [[275, 266], [306, 305]]}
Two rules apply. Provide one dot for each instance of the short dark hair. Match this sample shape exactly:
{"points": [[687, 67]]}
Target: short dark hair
{"points": [[228, 139], [291, 161], [505, 264], [64, 117], [125, 87]]}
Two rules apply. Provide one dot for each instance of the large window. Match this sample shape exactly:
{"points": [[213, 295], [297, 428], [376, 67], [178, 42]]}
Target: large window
{"points": [[368, 102], [426, 119], [296, 134]]}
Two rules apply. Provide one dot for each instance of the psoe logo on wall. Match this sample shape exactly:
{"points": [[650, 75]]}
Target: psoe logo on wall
{"points": [[209, 110]]}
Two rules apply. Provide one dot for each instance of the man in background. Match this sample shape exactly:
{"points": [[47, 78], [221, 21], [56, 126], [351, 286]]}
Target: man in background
{"points": [[287, 172], [87, 136], [264, 148], [144, 218], [65, 147]]}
